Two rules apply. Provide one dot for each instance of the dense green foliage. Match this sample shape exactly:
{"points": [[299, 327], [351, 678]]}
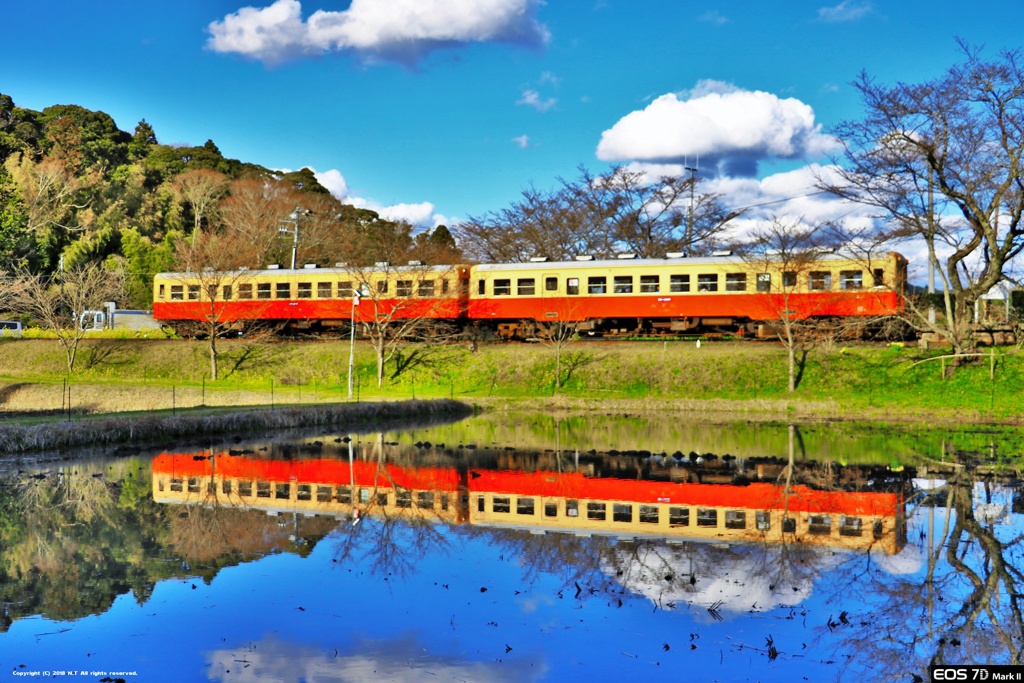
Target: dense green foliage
{"points": [[75, 186]]}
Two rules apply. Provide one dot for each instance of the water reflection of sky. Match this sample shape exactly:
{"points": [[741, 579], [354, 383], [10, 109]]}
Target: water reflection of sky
{"points": [[392, 600]]}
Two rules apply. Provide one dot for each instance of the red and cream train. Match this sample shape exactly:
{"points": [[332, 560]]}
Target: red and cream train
{"points": [[617, 297]]}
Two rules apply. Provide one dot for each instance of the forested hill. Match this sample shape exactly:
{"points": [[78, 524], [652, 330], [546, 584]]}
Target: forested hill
{"points": [[73, 185]]}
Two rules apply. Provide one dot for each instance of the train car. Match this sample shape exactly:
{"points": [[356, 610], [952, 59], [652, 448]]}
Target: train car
{"points": [[309, 298], [628, 296]]}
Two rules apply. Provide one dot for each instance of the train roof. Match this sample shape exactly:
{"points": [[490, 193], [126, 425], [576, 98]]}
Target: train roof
{"points": [[335, 271]]}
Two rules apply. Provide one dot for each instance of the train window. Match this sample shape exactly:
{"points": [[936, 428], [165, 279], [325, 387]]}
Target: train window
{"points": [[481, 287], [524, 506], [707, 282], [764, 282], [877, 529], [323, 290], [789, 279], [263, 489], [650, 284], [622, 284], [193, 484], [851, 279], [162, 294], [305, 290], [622, 512], [735, 519], [176, 483], [263, 290], [211, 488], [707, 517], [382, 286], [304, 492], [551, 509], [480, 504], [678, 516], [735, 282], [877, 276], [403, 288], [501, 504], [572, 508], [382, 499], [177, 293], [444, 501], [284, 290], [464, 286], [503, 287], [572, 285], [788, 525], [193, 292], [764, 521], [364, 496], [245, 488], [819, 524], [225, 487], [819, 280], [526, 286], [444, 285], [550, 284], [403, 498], [679, 283], [226, 293], [597, 285], [597, 511], [283, 491], [426, 288], [849, 526], [245, 291], [342, 493], [648, 514], [425, 499]]}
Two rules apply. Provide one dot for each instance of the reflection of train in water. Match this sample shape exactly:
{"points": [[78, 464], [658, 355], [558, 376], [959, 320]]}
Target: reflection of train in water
{"points": [[538, 501]]}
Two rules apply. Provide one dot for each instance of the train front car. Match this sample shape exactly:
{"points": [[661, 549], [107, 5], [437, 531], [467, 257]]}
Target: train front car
{"points": [[307, 299], [720, 294]]}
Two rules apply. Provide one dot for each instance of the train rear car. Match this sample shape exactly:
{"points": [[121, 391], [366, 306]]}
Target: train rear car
{"points": [[628, 297]]}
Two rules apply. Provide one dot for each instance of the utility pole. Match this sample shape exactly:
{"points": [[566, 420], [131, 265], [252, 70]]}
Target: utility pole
{"points": [[293, 221], [352, 341], [688, 238]]}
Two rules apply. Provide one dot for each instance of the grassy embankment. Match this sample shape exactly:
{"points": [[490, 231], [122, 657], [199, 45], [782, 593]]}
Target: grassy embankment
{"points": [[856, 381]]}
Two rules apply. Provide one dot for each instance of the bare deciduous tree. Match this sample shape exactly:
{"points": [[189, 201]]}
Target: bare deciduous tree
{"points": [[942, 160], [60, 303], [201, 188]]}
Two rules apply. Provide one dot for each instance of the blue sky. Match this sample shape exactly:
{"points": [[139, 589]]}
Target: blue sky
{"points": [[436, 110]]}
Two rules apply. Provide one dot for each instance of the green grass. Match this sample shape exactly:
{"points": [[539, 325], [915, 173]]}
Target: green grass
{"points": [[876, 382]]}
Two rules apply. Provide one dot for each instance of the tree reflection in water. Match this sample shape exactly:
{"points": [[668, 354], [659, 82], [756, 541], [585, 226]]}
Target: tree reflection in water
{"points": [[380, 542], [963, 610]]}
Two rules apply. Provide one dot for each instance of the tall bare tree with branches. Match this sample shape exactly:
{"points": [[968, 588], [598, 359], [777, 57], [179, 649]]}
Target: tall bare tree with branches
{"points": [[60, 302], [942, 160]]}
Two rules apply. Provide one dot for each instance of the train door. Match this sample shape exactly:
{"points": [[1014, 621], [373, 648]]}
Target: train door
{"points": [[549, 285]]}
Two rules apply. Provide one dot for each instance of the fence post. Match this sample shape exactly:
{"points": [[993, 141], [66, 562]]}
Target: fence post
{"points": [[204, 391], [271, 394], [992, 365], [174, 401]]}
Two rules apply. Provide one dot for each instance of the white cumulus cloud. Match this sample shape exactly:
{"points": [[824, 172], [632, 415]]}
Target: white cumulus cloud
{"points": [[396, 30], [730, 130], [420, 215]]}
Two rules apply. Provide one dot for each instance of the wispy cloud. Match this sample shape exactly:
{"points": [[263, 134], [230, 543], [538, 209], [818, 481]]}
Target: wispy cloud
{"points": [[399, 30], [523, 141], [532, 98], [848, 10], [713, 17]]}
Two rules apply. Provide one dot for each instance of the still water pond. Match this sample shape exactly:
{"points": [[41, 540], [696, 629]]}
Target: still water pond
{"points": [[519, 548]]}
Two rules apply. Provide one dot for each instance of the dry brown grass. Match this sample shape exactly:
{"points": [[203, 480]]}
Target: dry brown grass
{"points": [[122, 430]]}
